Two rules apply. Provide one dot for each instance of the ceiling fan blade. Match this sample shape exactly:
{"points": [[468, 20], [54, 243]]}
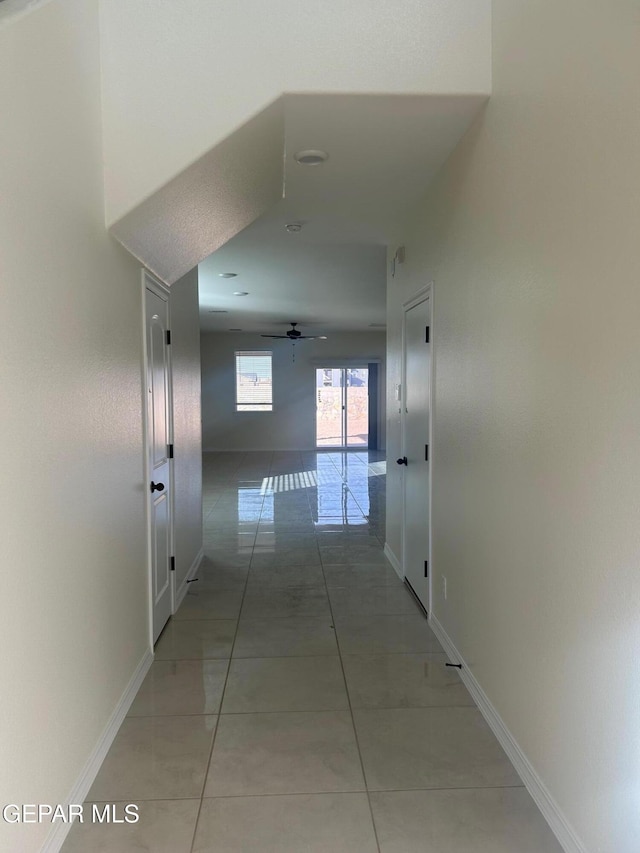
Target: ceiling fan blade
{"points": [[296, 337]]}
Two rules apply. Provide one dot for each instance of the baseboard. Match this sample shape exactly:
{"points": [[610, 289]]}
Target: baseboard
{"points": [[288, 449], [78, 794], [267, 449], [551, 811], [184, 586], [395, 562]]}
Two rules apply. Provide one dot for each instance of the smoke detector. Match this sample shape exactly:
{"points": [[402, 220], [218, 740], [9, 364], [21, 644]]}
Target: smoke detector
{"points": [[311, 157]]}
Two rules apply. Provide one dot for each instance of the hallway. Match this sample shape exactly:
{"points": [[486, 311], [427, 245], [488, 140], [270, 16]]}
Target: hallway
{"points": [[298, 700]]}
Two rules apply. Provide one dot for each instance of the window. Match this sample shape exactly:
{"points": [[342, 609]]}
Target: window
{"points": [[253, 382]]}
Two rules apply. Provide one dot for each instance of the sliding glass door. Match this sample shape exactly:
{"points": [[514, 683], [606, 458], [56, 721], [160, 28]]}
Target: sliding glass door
{"points": [[342, 407]]}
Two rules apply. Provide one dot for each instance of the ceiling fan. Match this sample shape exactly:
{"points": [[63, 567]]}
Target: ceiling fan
{"points": [[294, 335]]}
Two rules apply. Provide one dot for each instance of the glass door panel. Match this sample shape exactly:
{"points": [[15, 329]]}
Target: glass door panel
{"points": [[329, 407], [342, 407], [357, 407]]}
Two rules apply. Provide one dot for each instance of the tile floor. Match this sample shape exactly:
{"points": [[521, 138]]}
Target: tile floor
{"points": [[299, 702]]}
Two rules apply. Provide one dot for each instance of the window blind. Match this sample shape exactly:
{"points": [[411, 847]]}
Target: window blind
{"points": [[254, 386]]}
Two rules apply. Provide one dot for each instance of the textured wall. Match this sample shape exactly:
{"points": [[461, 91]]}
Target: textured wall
{"points": [[531, 236], [187, 423], [291, 424], [72, 551]]}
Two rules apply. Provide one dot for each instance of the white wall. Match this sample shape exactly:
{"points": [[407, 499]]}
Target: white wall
{"points": [[74, 588], [187, 423], [209, 67], [531, 236], [291, 424], [13, 9]]}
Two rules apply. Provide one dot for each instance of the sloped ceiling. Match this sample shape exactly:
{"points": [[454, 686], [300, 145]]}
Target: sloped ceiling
{"points": [[204, 105], [210, 201], [180, 77], [383, 152]]}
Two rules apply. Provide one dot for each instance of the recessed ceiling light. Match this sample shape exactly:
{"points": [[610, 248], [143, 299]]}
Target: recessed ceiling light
{"points": [[311, 157], [217, 311], [293, 227], [228, 274], [240, 292]]}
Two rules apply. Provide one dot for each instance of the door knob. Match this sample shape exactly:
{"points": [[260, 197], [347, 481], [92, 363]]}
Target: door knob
{"points": [[402, 461], [156, 487]]}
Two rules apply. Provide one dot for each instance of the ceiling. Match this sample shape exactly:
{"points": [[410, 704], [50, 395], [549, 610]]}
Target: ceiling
{"points": [[383, 152], [293, 277]]}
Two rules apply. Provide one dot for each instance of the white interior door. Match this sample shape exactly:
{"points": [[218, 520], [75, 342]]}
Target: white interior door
{"points": [[158, 440], [416, 450]]}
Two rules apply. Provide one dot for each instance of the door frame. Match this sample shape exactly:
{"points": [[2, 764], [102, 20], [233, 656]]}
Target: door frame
{"points": [[150, 282], [425, 292]]}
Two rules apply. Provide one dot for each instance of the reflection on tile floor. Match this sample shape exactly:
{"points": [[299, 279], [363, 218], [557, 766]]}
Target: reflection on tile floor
{"points": [[299, 700]]}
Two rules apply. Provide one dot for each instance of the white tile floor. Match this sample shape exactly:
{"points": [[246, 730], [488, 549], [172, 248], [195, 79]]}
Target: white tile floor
{"points": [[299, 702]]}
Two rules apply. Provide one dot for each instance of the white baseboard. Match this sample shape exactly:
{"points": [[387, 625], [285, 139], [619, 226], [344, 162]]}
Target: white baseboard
{"points": [[287, 449], [268, 449], [395, 562], [184, 586], [59, 831], [551, 811]]}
